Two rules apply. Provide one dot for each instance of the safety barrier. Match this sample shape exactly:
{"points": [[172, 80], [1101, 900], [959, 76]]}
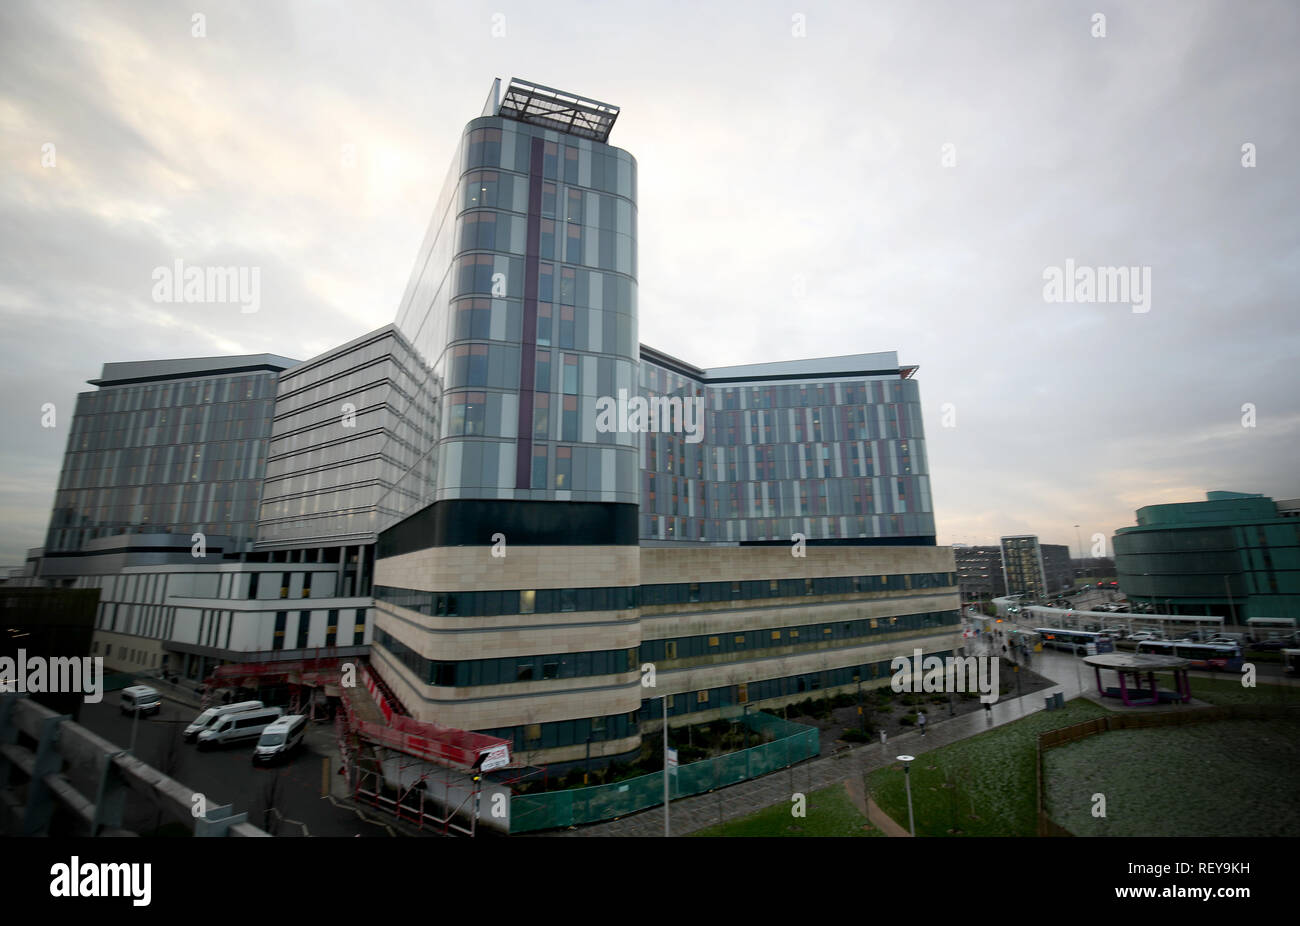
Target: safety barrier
{"points": [[793, 742]]}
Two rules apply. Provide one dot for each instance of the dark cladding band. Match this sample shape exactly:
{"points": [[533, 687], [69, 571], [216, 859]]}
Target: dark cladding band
{"points": [[472, 522]]}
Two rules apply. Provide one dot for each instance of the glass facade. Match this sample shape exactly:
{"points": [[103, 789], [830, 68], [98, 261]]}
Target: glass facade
{"points": [[352, 445], [523, 301], [834, 458], [1233, 555], [180, 452]]}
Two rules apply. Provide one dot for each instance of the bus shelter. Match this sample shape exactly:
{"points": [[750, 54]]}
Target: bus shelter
{"points": [[1133, 666]]}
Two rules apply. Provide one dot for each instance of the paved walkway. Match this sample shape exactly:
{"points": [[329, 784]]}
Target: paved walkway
{"points": [[703, 810]]}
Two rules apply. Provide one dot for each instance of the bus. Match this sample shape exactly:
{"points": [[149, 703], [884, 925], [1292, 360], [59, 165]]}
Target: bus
{"points": [[1217, 656], [1075, 641]]}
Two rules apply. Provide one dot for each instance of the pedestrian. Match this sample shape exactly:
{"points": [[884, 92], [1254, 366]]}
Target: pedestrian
{"points": [[920, 721]]}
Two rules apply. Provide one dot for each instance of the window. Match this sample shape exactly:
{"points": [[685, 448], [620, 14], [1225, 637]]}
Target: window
{"points": [[564, 467], [713, 641], [306, 585], [528, 601], [701, 697], [331, 628], [742, 693], [670, 649], [694, 592], [776, 634], [277, 639], [524, 672], [539, 467]]}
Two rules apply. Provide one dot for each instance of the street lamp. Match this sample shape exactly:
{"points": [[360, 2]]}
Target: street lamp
{"points": [[907, 778]]}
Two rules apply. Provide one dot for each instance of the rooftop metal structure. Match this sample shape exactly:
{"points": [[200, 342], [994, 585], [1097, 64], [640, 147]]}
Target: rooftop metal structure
{"points": [[555, 109]]}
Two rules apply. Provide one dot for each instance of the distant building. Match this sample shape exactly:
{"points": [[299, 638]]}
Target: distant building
{"points": [[1096, 567], [1234, 555], [1057, 567], [979, 572], [1022, 567]]}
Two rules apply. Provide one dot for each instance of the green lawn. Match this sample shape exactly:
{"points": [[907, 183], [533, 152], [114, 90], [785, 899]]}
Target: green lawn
{"points": [[1235, 778], [830, 812], [982, 786], [1229, 690]]}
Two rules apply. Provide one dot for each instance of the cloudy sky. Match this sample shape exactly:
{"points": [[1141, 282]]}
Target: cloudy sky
{"points": [[815, 179]]}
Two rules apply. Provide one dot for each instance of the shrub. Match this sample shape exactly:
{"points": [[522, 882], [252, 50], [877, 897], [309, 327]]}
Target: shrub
{"points": [[907, 720], [855, 735]]}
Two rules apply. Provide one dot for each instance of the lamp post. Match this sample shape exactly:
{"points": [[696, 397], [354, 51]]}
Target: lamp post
{"points": [[907, 778], [667, 831], [862, 718]]}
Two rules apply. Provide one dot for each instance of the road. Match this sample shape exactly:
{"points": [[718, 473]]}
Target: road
{"points": [[228, 776]]}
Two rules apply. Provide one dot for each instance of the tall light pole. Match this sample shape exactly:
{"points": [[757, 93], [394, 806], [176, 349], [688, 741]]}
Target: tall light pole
{"points": [[907, 778], [666, 825]]}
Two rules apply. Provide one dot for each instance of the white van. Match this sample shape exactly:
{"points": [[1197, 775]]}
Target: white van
{"points": [[140, 699], [280, 739], [213, 714], [234, 728]]}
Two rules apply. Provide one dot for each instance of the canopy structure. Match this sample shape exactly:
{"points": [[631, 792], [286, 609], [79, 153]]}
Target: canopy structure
{"points": [[1137, 664], [558, 110]]}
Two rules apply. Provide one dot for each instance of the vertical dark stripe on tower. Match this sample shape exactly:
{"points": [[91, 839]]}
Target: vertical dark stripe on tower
{"points": [[528, 349]]}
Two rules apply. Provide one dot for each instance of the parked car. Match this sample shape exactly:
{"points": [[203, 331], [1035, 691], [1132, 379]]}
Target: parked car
{"points": [[1144, 635], [280, 739], [1271, 645], [140, 699]]}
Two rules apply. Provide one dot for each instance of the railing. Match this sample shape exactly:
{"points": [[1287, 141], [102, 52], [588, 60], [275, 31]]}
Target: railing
{"points": [[59, 741], [794, 742]]}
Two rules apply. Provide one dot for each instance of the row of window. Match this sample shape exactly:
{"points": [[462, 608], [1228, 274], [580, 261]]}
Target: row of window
{"points": [[747, 692], [551, 600], [569, 732], [504, 670], [618, 726], [544, 601], [471, 672], [746, 640]]}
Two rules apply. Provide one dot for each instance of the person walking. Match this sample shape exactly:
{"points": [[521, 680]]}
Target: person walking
{"points": [[920, 721]]}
